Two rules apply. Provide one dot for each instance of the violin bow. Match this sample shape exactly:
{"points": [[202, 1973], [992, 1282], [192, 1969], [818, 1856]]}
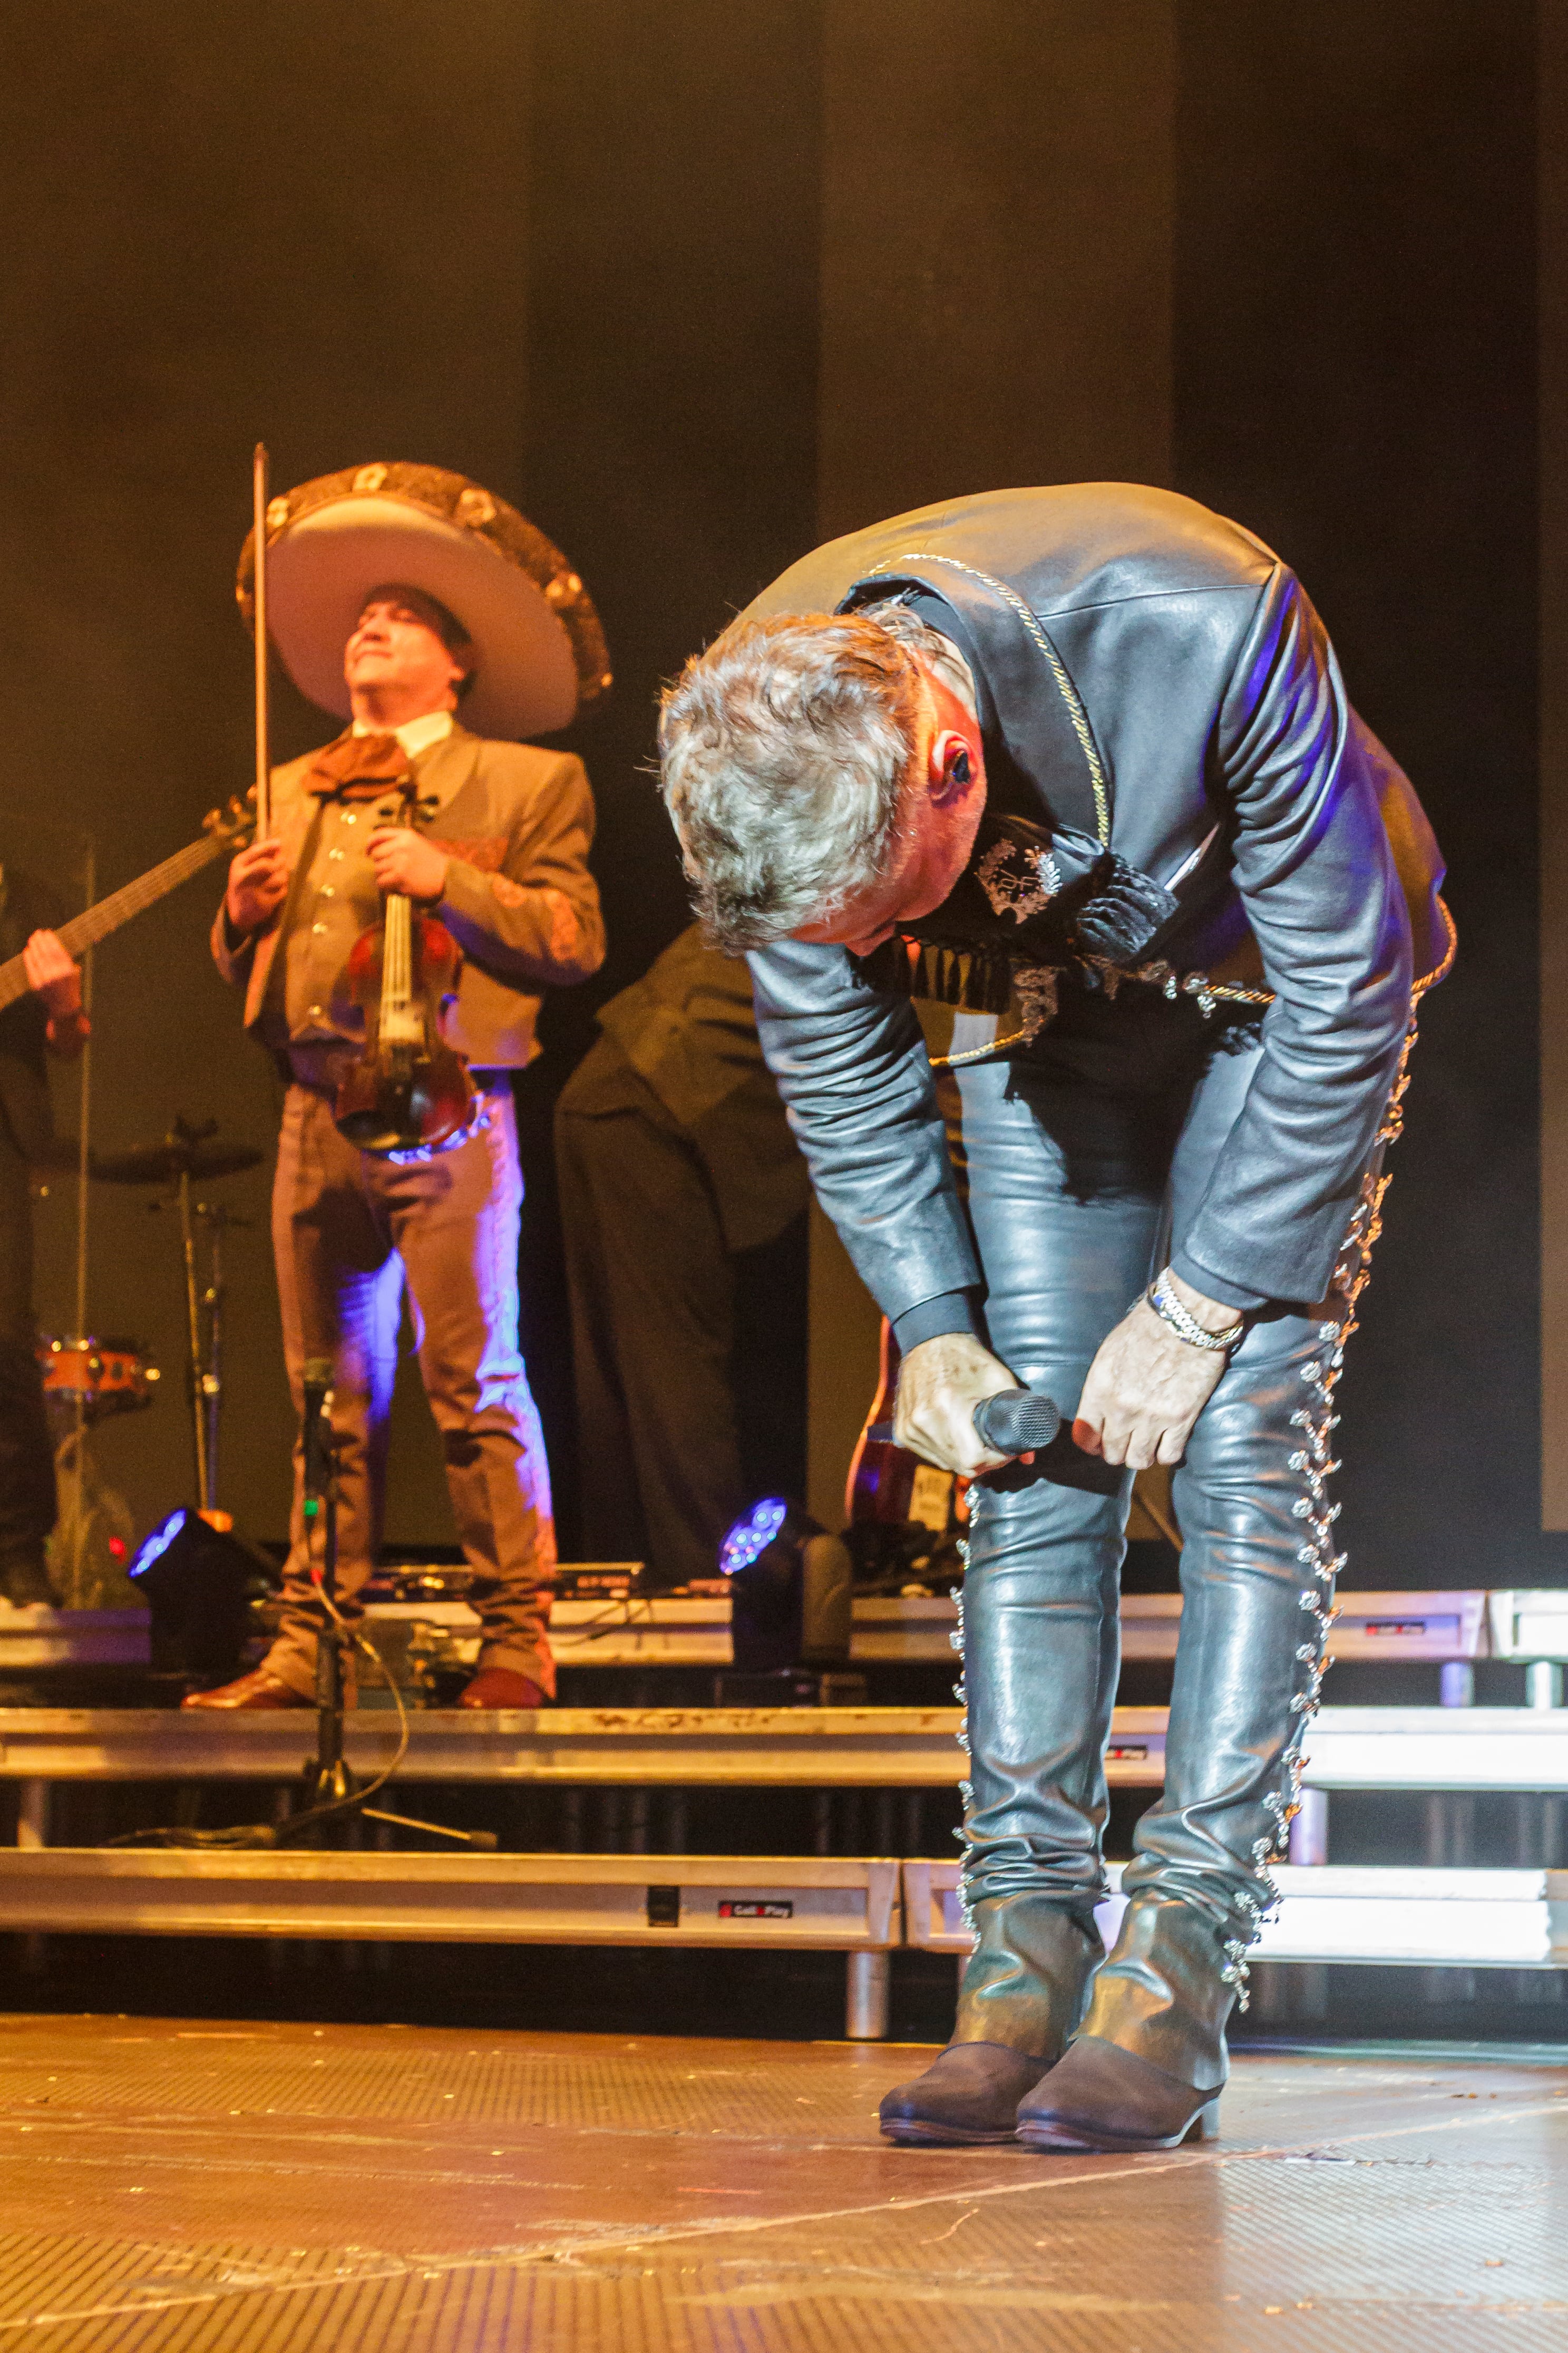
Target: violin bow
{"points": [[258, 593]]}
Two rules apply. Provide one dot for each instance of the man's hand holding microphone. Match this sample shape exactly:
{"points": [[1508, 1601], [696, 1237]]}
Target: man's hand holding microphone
{"points": [[1146, 1387]]}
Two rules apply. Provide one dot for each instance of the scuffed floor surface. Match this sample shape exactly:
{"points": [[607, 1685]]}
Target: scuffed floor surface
{"points": [[385, 2190]]}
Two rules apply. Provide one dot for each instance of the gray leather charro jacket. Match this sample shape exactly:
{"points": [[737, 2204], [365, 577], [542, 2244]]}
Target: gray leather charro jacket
{"points": [[1154, 685]]}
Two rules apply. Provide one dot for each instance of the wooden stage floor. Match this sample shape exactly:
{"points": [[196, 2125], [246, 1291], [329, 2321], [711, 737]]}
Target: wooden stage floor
{"points": [[391, 2189]]}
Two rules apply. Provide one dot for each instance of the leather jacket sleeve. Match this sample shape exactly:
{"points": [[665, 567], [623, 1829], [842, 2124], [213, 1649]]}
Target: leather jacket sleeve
{"points": [[1311, 859], [851, 1065]]}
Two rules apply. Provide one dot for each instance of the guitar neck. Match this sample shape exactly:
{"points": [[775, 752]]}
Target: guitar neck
{"points": [[84, 931]]}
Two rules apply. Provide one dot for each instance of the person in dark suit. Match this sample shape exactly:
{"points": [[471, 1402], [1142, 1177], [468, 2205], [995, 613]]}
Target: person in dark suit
{"points": [[1079, 764], [677, 1171], [49, 1020]]}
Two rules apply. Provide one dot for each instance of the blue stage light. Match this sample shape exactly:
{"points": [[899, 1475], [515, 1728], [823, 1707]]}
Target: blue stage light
{"points": [[790, 1593], [198, 1583], [752, 1535], [155, 1547]]}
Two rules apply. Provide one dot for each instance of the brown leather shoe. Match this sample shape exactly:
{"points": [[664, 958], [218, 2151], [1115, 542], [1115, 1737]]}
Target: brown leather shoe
{"points": [[501, 1687], [260, 1688]]}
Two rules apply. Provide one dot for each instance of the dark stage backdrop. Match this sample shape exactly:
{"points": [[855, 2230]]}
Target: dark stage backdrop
{"points": [[222, 222], [692, 284], [1356, 380]]}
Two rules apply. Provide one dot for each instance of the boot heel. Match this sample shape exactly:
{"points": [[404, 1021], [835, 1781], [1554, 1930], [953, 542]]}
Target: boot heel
{"points": [[1204, 2126]]}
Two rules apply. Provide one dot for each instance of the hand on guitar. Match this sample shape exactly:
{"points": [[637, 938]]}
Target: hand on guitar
{"points": [[257, 885], [57, 980], [405, 861], [940, 1382]]}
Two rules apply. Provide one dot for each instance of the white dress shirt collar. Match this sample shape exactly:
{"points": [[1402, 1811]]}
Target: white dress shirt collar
{"points": [[415, 736]]}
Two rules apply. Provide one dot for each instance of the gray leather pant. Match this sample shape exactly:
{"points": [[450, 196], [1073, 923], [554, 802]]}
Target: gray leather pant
{"points": [[1074, 1194]]}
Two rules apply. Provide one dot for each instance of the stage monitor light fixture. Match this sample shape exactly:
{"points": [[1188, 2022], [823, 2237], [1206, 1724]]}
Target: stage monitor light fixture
{"points": [[790, 1587], [198, 1583]]}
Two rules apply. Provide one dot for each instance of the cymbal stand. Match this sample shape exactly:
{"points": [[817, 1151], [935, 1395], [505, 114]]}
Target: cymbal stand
{"points": [[216, 1219], [194, 1338], [84, 1153], [202, 1379]]}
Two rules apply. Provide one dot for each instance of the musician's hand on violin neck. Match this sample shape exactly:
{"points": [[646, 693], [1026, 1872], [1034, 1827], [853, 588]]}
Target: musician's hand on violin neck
{"points": [[257, 883], [406, 862]]}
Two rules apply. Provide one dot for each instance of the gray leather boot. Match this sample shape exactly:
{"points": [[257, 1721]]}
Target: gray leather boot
{"points": [[1023, 1994], [1101, 2097], [1166, 1993]]}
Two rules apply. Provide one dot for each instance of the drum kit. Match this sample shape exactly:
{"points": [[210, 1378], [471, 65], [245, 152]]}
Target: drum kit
{"points": [[88, 1381]]}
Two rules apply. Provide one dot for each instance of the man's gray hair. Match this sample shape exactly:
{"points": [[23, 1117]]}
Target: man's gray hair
{"points": [[784, 750]]}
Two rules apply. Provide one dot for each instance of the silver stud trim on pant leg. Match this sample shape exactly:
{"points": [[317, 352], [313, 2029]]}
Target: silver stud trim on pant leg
{"points": [[965, 1789], [1315, 1465]]}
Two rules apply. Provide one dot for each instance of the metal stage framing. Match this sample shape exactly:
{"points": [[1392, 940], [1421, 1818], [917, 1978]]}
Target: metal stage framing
{"points": [[1438, 1626], [1415, 1748]]}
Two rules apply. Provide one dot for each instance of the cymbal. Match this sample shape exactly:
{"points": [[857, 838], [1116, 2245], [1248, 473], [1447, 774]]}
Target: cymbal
{"points": [[166, 1162]]}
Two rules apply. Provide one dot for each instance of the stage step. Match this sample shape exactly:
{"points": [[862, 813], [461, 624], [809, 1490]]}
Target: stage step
{"points": [[798, 1748], [1374, 1916], [810, 1902], [1437, 1626]]}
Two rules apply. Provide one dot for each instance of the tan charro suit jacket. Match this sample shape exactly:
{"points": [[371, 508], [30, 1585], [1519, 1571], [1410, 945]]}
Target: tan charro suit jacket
{"points": [[517, 823]]}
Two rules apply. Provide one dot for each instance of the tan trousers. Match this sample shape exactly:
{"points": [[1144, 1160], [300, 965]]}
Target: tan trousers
{"points": [[349, 1230]]}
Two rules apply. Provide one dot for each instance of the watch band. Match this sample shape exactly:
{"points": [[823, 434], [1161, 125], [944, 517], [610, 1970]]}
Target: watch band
{"points": [[1162, 1299]]}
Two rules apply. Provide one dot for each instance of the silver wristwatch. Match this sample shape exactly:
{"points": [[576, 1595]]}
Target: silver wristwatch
{"points": [[1162, 1299]]}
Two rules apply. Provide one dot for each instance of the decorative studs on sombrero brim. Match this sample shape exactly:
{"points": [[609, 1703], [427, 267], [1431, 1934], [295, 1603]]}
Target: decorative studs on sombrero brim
{"points": [[541, 653]]}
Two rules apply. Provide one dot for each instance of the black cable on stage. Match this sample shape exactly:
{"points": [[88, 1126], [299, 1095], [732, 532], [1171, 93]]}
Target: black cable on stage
{"points": [[267, 1836]]}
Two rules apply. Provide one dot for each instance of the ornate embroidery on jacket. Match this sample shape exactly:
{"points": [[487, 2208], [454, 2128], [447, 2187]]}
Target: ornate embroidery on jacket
{"points": [[486, 854], [1018, 881], [565, 938]]}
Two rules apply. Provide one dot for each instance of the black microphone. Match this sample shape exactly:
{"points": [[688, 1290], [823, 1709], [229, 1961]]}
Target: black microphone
{"points": [[1017, 1421], [317, 1433], [1013, 1421]]}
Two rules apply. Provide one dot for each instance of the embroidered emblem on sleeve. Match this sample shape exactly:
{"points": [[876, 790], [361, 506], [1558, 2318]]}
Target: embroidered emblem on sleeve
{"points": [[1018, 883], [562, 925]]}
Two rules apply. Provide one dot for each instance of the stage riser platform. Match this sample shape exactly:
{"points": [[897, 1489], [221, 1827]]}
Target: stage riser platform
{"points": [[866, 1908], [1432, 1626], [1349, 1748], [1433, 1786]]}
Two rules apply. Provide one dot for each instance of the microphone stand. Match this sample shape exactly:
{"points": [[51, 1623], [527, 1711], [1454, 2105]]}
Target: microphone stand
{"points": [[332, 1788], [329, 1779]]}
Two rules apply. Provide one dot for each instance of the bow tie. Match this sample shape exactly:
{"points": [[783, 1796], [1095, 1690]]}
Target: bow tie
{"points": [[357, 768]]}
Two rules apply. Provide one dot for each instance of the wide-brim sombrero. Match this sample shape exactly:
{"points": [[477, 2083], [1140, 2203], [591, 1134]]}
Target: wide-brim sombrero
{"points": [[542, 654]]}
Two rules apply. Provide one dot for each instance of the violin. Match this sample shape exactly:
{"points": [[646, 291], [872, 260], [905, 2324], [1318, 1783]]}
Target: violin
{"points": [[408, 1089]]}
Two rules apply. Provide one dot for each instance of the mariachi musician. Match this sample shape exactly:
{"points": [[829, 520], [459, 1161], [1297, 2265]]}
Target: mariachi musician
{"points": [[396, 595], [49, 1019]]}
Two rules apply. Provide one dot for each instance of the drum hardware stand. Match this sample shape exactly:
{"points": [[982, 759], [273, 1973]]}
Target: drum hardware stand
{"points": [[204, 1377], [204, 1309], [207, 1372], [84, 1155]]}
